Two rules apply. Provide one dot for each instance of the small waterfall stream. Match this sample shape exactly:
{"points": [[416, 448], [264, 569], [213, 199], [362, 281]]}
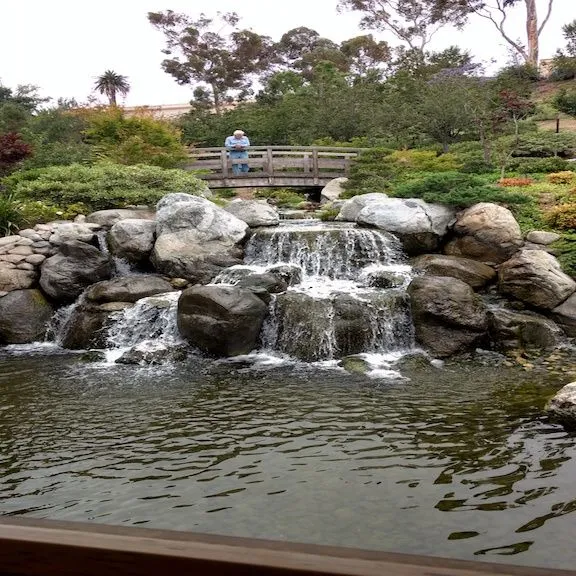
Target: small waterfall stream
{"points": [[351, 298]]}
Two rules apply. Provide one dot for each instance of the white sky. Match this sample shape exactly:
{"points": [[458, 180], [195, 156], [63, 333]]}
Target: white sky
{"points": [[62, 45]]}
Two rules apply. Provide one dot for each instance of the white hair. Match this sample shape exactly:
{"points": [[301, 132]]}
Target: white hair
{"points": [[238, 132]]}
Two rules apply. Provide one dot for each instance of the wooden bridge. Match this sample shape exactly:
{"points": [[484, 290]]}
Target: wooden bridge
{"points": [[273, 166]]}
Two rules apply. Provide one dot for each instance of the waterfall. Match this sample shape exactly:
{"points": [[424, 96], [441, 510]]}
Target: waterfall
{"points": [[120, 266], [147, 327], [352, 298]]}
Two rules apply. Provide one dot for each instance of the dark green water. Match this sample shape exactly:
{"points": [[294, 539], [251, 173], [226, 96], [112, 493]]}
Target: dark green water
{"points": [[454, 462]]}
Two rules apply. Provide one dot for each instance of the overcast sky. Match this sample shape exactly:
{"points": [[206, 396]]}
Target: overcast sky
{"points": [[62, 45]]}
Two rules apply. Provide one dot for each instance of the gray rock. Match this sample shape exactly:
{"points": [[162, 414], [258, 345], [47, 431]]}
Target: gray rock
{"points": [[13, 279], [182, 256], [6, 240], [291, 274], [22, 250], [419, 225], [535, 277], [127, 289], [26, 266], [384, 279], [107, 218], [254, 212], [332, 190], [351, 208], [542, 237], [565, 315], [24, 242], [30, 233], [24, 317], [474, 273], [13, 258], [132, 239], [485, 232], [70, 231], [517, 331], [86, 327], [35, 259], [152, 355], [448, 316], [562, 408], [65, 275], [268, 281], [221, 320]]}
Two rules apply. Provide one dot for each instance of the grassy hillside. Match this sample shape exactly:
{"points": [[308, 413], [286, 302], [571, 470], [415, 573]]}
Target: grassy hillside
{"points": [[543, 95]]}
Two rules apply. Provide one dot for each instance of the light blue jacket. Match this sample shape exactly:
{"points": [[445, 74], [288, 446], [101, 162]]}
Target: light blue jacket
{"points": [[230, 144]]}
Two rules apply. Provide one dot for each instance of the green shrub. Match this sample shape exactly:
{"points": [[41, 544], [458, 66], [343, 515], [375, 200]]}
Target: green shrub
{"points": [[329, 214], [564, 177], [282, 197], [538, 165], [457, 189], [565, 251], [546, 144], [562, 217], [101, 186], [10, 215], [225, 193]]}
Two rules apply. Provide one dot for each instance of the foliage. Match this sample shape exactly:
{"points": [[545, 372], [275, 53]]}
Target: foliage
{"points": [[139, 139], [329, 214], [10, 216], [101, 186], [538, 165], [565, 250], [562, 217], [110, 83], [510, 182], [282, 197], [457, 190], [545, 144], [565, 177], [12, 151], [565, 101], [200, 53]]}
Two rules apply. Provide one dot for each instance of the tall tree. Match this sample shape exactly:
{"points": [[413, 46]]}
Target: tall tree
{"points": [[496, 11], [414, 22], [366, 56], [111, 84], [213, 54]]}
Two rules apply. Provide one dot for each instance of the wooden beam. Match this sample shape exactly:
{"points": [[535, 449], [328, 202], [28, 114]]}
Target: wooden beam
{"points": [[44, 548]]}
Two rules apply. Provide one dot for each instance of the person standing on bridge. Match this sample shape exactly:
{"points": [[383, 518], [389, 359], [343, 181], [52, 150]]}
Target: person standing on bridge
{"points": [[237, 146]]}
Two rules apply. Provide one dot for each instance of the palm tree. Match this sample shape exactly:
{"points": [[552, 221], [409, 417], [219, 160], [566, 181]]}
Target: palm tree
{"points": [[111, 84]]}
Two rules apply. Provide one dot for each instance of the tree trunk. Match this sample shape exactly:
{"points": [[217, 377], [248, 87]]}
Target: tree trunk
{"points": [[532, 32], [112, 97], [217, 106]]}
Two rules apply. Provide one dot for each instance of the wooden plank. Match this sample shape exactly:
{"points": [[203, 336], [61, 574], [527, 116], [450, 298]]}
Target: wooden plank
{"points": [[44, 548]]}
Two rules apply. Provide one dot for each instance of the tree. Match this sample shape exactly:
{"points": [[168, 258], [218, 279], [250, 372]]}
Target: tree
{"points": [[566, 102], [12, 151], [202, 54], [112, 84], [496, 12], [413, 22], [366, 56], [564, 64]]}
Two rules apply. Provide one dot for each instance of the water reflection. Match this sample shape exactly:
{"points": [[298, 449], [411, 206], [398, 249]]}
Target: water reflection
{"points": [[455, 462]]}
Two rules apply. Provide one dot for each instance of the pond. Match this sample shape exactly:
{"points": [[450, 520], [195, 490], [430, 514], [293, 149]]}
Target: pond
{"points": [[455, 460]]}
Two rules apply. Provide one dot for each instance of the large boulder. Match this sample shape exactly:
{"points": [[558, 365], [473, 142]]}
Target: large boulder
{"points": [[65, 275], [474, 273], [419, 225], [486, 232], [70, 231], [127, 288], [107, 218], [12, 278], [535, 277], [332, 190], [565, 315], [351, 208], [511, 330], [132, 239], [254, 212], [24, 317], [448, 316], [195, 238], [86, 326], [221, 320], [562, 407], [272, 283]]}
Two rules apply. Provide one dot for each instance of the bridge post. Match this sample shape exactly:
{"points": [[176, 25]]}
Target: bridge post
{"points": [[224, 162], [269, 162], [315, 168]]}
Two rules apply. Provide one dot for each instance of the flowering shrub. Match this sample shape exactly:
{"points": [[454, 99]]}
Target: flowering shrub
{"points": [[564, 177], [515, 182]]}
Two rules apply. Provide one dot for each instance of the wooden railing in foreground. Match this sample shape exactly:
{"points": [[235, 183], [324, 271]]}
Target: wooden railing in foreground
{"points": [[273, 165], [46, 548]]}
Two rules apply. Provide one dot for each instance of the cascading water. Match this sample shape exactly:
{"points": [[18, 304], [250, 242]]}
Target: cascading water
{"points": [[120, 266], [148, 327], [351, 298]]}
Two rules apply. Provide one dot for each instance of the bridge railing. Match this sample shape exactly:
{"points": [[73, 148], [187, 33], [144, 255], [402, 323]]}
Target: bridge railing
{"points": [[273, 161]]}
